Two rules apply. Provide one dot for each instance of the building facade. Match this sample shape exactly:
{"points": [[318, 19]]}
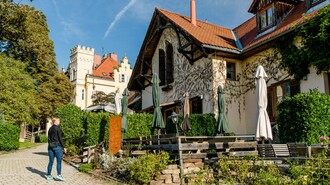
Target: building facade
{"points": [[91, 73], [197, 57]]}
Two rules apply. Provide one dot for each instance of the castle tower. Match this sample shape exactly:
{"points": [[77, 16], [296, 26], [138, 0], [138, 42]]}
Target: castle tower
{"points": [[81, 64]]}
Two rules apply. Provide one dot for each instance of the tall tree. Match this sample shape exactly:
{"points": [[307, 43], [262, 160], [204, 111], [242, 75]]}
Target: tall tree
{"points": [[25, 36], [16, 92]]}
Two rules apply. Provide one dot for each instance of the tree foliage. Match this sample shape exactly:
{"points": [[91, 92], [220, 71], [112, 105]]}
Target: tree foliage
{"points": [[24, 36], [304, 117], [9, 137], [17, 92], [100, 98], [315, 35]]}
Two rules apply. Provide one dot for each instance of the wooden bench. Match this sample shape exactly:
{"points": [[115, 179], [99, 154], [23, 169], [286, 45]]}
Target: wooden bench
{"points": [[298, 150], [266, 151], [273, 151], [281, 150]]}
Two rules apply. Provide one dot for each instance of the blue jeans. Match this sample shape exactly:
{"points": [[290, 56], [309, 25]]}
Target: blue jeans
{"points": [[52, 153]]}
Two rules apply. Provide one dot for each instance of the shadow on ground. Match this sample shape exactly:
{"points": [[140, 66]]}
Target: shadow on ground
{"points": [[36, 171], [41, 153]]}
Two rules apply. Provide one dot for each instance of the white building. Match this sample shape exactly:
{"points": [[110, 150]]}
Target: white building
{"points": [[194, 56], [90, 73]]}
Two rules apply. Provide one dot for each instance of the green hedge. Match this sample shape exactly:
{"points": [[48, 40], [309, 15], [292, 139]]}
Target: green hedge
{"points": [[202, 125], [72, 124], [82, 128], [9, 137], [41, 139], [139, 124], [304, 117], [97, 125]]}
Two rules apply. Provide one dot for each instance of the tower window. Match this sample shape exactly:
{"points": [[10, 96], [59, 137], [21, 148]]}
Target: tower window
{"points": [[122, 78], [82, 94]]}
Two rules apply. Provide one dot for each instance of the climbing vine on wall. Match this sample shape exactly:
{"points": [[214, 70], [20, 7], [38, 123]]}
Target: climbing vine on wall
{"points": [[313, 48], [195, 79], [270, 60]]}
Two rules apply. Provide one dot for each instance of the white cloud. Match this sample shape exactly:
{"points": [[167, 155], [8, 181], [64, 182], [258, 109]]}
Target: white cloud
{"points": [[118, 16], [71, 30]]}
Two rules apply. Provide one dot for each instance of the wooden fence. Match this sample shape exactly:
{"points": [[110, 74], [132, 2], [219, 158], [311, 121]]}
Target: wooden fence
{"points": [[88, 154], [194, 147]]}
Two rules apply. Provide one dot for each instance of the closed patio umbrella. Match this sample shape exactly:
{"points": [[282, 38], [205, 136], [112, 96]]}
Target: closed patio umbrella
{"points": [[118, 103], [185, 125], [157, 121], [124, 104], [264, 130], [222, 126]]}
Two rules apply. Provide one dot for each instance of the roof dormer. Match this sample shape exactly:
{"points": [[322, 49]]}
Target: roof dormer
{"points": [[269, 13], [315, 4]]}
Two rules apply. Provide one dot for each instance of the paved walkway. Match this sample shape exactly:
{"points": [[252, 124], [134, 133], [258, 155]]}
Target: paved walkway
{"points": [[28, 166]]}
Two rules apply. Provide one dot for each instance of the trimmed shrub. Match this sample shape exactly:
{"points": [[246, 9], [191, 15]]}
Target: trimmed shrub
{"points": [[304, 117], [97, 127], [72, 119], [9, 137], [148, 166], [202, 125], [87, 167], [139, 124], [41, 139]]}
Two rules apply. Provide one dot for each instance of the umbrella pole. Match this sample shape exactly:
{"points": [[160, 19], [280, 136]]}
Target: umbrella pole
{"points": [[158, 133]]}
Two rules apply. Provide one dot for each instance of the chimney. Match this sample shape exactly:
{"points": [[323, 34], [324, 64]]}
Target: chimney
{"points": [[114, 56], [193, 12]]}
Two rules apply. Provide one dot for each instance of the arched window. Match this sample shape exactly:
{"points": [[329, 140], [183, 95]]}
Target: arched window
{"points": [[74, 74], [169, 63], [162, 69]]}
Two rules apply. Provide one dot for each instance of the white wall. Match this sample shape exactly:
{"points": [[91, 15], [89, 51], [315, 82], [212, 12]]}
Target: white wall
{"points": [[313, 81], [147, 97]]}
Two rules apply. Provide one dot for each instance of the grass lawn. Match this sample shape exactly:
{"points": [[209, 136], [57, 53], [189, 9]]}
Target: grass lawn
{"points": [[22, 145], [26, 144]]}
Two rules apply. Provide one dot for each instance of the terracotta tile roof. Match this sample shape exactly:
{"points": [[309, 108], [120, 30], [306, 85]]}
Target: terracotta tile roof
{"points": [[210, 34], [249, 38], [105, 68], [204, 32], [247, 31]]}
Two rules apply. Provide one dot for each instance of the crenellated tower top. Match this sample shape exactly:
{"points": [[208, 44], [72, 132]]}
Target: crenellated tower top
{"points": [[82, 49]]}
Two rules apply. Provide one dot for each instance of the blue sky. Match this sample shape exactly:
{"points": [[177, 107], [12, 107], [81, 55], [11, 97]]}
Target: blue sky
{"points": [[119, 26]]}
